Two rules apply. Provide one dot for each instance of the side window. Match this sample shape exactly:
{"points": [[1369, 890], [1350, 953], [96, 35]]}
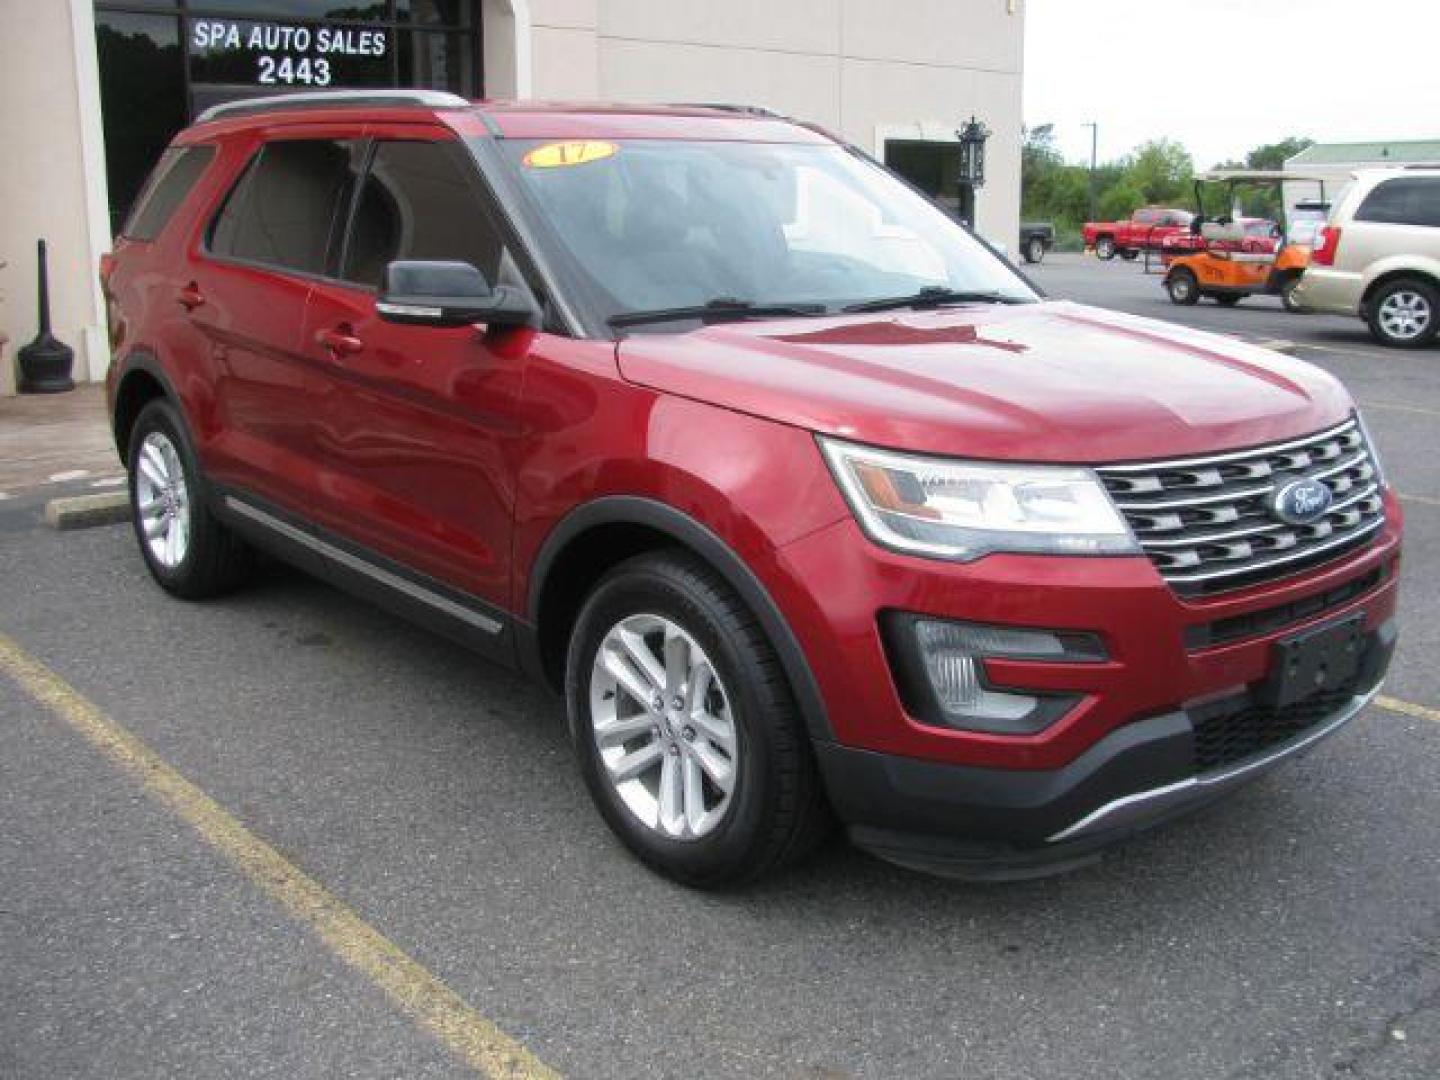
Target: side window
{"points": [[421, 200], [288, 206], [171, 181], [1410, 200], [1146, 217]]}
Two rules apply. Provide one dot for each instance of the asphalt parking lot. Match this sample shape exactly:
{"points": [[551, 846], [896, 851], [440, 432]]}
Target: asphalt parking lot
{"points": [[414, 798]]}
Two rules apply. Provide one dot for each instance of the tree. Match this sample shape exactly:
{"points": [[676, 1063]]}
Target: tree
{"points": [[1161, 170], [1273, 155]]}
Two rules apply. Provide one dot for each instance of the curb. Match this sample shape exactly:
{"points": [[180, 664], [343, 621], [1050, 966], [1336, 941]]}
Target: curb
{"points": [[88, 511]]}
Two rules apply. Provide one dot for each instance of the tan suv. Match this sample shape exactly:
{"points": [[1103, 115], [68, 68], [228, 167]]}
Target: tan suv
{"points": [[1379, 257]]}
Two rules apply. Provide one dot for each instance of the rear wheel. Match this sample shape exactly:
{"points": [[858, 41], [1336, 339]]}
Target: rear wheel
{"points": [[687, 734], [1405, 313], [1034, 250], [188, 551], [1287, 294], [1105, 248], [1182, 287]]}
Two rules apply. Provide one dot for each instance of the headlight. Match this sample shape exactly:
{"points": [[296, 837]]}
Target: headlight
{"points": [[963, 509]]}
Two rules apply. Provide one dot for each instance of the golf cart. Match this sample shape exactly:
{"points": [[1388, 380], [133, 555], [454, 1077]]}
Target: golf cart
{"points": [[1224, 259]]}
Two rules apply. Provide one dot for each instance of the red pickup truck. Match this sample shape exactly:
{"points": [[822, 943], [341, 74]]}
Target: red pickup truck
{"points": [[1146, 228]]}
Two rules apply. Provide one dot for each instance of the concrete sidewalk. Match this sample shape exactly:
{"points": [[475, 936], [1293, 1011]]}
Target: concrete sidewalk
{"points": [[54, 438]]}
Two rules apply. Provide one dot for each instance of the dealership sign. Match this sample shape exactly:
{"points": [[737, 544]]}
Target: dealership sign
{"points": [[273, 54]]}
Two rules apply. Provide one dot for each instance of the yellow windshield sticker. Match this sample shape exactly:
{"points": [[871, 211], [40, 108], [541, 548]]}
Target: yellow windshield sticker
{"points": [[558, 155]]}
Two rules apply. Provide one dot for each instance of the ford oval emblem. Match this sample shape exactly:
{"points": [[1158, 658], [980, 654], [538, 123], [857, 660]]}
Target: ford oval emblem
{"points": [[1301, 502]]}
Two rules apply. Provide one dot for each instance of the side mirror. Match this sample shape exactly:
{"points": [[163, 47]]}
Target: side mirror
{"points": [[433, 293]]}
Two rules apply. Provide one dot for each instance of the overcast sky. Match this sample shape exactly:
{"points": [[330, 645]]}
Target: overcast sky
{"points": [[1223, 76]]}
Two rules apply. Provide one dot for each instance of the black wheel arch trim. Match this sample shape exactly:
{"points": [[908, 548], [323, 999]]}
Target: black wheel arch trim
{"points": [[666, 519], [146, 362]]}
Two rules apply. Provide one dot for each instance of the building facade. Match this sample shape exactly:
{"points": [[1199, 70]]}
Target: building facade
{"points": [[95, 88]]}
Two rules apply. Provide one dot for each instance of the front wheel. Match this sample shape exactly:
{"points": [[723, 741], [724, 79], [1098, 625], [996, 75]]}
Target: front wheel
{"points": [[687, 733], [1405, 313], [1105, 248], [1034, 250], [1183, 288], [188, 551]]}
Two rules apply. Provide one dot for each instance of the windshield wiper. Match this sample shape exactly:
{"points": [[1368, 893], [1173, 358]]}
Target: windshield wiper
{"points": [[934, 296], [718, 310]]}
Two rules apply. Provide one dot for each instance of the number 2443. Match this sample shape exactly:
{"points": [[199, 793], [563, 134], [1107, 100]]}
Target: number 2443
{"points": [[291, 71]]}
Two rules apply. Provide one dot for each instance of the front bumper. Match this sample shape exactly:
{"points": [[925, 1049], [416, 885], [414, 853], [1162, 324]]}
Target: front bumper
{"points": [[980, 823]]}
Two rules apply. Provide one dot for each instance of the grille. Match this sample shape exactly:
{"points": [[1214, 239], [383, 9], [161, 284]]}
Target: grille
{"points": [[1232, 734], [1206, 522]]}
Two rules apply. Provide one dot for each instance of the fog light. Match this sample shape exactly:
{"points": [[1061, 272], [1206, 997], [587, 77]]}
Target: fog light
{"points": [[948, 684]]}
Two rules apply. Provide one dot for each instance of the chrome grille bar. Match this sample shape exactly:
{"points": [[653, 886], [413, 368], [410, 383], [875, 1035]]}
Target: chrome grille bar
{"points": [[1207, 522]]}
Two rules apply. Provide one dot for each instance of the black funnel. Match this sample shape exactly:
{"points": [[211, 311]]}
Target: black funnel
{"points": [[46, 362]]}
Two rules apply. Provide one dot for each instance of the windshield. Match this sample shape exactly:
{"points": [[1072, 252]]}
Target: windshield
{"points": [[651, 225]]}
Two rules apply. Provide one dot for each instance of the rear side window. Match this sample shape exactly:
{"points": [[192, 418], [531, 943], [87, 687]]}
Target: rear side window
{"points": [[287, 208], [421, 200], [1410, 200], [172, 179]]}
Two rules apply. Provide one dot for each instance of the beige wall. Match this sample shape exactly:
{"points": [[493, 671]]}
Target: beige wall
{"points": [[869, 69], [52, 177]]}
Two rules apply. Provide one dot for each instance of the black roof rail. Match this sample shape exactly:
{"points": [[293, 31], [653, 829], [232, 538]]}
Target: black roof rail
{"points": [[334, 99]]}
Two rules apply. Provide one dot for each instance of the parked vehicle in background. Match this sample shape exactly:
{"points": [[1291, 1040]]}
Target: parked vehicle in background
{"points": [[1145, 229], [1306, 220], [1253, 236], [1229, 260], [1379, 256], [807, 505], [1036, 238]]}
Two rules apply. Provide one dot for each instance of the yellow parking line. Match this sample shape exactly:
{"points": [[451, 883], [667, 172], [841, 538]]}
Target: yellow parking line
{"points": [[1397, 407], [433, 1005], [1409, 708]]}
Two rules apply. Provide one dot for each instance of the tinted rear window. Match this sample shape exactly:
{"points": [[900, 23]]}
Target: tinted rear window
{"points": [[1409, 200], [172, 179], [286, 208]]}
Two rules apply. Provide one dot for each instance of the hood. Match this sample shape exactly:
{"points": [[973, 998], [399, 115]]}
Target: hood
{"points": [[1051, 381]]}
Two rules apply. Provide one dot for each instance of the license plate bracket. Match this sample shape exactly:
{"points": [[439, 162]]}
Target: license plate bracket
{"points": [[1313, 661]]}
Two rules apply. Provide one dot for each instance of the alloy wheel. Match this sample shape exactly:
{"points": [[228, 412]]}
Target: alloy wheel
{"points": [[662, 723], [1404, 315], [162, 500]]}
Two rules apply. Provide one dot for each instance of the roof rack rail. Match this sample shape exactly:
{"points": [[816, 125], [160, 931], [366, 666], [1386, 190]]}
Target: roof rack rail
{"points": [[326, 99], [724, 106]]}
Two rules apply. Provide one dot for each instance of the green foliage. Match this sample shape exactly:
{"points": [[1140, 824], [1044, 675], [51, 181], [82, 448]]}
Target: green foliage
{"points": [[1157, 172]]}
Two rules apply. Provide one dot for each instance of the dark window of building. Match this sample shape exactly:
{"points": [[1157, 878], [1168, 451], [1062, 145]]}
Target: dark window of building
{"points": [[285, 209], [934, 168], [162, 67], [1410, 200], [421, 200], [169, 184], [142, 94]]}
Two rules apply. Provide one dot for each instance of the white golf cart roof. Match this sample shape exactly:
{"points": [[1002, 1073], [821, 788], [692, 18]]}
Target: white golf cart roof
{"points": [[1272, 175]]}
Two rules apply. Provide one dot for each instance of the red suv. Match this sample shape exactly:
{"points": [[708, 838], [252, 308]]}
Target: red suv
{"points": [[809, 504]]}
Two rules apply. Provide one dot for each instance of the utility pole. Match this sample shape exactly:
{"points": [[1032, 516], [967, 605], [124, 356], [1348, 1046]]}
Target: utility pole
{"points": [[1094, 146]]}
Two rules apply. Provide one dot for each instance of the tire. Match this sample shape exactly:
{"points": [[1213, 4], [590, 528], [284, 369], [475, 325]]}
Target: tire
{"points": [[1404, 313], [191, 554], [1287, 295], [1226, 299], [1034, 250], [1129, 254], [1105, 248], [1183, 287], [774, 812]]}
